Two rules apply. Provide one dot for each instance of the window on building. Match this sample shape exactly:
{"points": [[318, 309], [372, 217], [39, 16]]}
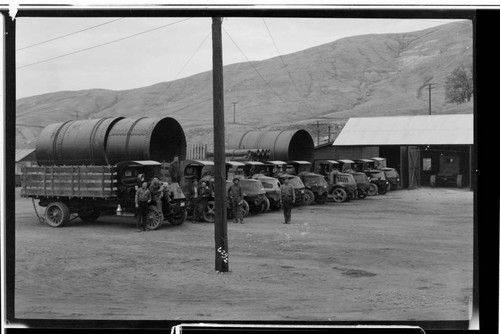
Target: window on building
{"points": [[426, 164]]}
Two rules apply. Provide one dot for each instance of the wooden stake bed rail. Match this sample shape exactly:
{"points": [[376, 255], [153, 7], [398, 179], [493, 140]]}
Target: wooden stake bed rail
{"points": [[69, 181]]}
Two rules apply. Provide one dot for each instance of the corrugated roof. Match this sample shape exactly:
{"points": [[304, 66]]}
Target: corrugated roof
{"points": [[23, 153], [408, 130]]}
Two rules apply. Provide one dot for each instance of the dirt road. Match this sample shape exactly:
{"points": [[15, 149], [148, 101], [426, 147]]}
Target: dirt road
{"points": [[403, 256]]}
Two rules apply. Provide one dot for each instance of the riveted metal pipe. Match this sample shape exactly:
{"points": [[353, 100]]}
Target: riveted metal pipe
{"points": [[108, 141], [81, 142], [282, 145]]}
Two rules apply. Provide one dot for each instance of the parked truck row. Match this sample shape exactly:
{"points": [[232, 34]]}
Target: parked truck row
{"points": [[90, 168]]}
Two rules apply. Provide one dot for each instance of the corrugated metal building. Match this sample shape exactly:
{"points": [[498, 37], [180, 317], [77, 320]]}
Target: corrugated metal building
{"points": [[411, 144], [24, 158]]}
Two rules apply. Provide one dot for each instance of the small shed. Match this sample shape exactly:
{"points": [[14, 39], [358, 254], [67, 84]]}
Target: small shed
{"points": [[411, 144], [24, 158]]}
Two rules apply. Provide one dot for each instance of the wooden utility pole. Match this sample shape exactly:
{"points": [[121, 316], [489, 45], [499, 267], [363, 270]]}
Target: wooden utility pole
{"points": [[221, 249], [317, 130], [430, 87], [234, 111]]}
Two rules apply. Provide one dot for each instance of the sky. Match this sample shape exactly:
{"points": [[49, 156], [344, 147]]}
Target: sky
{"points": [[61, 54]]}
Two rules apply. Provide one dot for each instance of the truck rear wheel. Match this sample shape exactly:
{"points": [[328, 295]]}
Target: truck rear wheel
{"points": [[382, 190], [154, 218], [57, 214], [179, 218], [209, 212]]}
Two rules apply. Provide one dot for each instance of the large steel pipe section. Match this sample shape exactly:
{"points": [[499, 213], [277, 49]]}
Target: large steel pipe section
{"points": [[283, 145], [108, 141], [146, 139], [81, 142]]}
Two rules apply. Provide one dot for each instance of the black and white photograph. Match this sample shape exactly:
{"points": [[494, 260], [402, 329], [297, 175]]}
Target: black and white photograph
{"points": [[259, 166]]}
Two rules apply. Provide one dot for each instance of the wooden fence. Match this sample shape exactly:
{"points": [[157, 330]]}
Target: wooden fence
{"points": [[197, 151]]}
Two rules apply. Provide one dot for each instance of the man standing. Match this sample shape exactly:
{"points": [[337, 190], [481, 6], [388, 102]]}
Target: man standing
{"points": [[175, 170], [287, 199], [193, 199], [156, 191], [204, 193], [142, 199], [235, 194]]}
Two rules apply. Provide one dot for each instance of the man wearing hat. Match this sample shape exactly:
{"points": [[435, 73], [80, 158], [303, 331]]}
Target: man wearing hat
{"points": [[235, 194], [175, 170], [287, 200]]}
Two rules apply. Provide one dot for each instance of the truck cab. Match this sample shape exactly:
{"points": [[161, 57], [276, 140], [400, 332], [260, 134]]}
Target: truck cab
{"points": [[341, 186], [378, 181], [272, 186], [449, 172], [234, 169], [316, 187], [252, 168], [131, 174]]}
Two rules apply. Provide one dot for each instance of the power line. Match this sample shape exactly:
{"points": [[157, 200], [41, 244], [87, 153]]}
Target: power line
{"points": [[253, 66], [103, 44], [184, 66], [71, 33], [284, 65]]}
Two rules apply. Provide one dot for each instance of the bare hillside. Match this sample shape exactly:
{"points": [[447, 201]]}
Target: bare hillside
{"points": [[369, 75]]}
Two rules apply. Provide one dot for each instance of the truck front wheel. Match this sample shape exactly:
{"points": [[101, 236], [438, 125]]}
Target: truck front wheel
{"points": [[339, 195], [154, 218], [373, 189], [321, 199], [308, 198], [265, 206], [178, 218], [57, 214]]}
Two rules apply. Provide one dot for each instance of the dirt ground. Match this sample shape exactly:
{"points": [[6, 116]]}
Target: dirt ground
{"points": [[406, 255]]}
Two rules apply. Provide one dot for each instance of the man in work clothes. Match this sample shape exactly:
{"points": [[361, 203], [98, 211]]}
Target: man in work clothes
{"points": [[142, 199], [156, 191], [175, 170], [235, 194], [193, 198], [204, 193], [287, 199]]}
